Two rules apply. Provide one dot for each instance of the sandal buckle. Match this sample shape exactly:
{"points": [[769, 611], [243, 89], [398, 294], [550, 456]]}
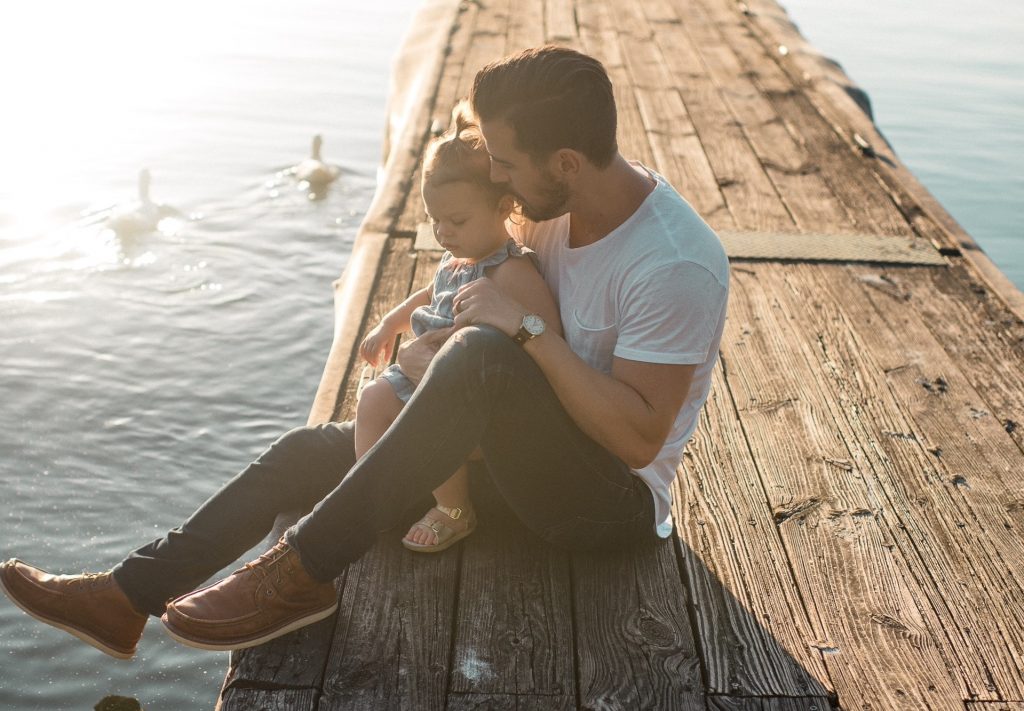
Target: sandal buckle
{"points": [[453, 513]]}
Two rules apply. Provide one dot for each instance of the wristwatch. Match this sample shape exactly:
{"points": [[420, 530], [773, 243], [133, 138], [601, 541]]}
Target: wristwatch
{"points": [[533, 326]]}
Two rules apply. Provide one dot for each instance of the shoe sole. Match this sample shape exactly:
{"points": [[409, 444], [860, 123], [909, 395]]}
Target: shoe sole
{"points": [[245, 644], [73, 631]]}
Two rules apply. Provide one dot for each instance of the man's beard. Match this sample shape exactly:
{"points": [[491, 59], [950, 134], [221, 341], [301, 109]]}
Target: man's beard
{"points": [[552, 201]]}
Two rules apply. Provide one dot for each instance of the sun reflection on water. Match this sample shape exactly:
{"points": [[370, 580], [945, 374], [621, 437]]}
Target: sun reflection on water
{"points": [[88, 88]]}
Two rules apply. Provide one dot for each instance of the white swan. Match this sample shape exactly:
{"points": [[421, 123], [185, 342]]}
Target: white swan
{"points": [[140, 216], [313, 170]]}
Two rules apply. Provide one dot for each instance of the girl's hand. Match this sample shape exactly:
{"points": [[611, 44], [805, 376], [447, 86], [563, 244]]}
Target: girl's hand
{"points": [[376, 348]]}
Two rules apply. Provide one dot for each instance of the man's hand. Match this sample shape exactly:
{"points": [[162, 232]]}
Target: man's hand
{"points": [[482, 302], [415, 355]]}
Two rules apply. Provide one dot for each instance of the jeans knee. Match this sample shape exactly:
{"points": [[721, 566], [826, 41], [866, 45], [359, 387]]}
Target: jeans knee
{"points": [[302, 446], [480, 341], [298, 438]]}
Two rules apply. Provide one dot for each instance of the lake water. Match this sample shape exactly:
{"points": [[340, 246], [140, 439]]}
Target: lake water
{"points": [[139, 373], [946, 80]]}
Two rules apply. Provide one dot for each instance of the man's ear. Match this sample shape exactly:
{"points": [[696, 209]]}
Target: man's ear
{"points": [[566, 162]]}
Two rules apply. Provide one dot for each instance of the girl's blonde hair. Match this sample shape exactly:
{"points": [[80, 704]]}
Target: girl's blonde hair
{"points": [[460, 155]]}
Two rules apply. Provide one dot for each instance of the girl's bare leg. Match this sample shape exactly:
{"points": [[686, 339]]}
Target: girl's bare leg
{"points": [[377, 409]]}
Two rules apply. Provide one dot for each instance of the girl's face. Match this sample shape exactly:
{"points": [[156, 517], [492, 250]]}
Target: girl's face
{"points": [[466, 222]]}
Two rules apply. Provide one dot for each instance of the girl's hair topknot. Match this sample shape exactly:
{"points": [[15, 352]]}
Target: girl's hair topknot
{"points": [[460, 155]]}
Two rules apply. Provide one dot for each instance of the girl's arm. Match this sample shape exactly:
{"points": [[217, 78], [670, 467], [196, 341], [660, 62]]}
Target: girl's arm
{"points": [[519, 279], [377, 346]]}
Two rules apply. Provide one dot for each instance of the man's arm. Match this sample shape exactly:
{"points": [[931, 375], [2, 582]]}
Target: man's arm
{"points": [[630, 412]]}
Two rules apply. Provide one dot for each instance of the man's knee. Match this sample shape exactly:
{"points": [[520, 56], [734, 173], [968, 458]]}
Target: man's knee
{"points": [[481, 340], [328, 442]]}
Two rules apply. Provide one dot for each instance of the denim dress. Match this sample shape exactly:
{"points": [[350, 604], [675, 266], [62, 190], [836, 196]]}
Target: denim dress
{"points": [[440, 313]]}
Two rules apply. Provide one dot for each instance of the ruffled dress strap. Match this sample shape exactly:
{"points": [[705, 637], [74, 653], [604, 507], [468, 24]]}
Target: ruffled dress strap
{"points": [[511, 248]]}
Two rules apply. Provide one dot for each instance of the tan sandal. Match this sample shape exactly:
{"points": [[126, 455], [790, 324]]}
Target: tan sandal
{"points": [[446, 536]]}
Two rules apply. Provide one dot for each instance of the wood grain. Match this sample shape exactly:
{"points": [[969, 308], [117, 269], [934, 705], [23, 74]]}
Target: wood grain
{"points": [[749, 194], [393, 641], [948, 472], [513, 636], [634, 643], [790, 167], [849, 515], [760, 703], [756, 638], [599, 38], [253, 699], [393, 284], [828, 513]]}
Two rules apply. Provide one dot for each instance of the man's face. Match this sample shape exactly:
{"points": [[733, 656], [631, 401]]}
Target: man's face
{"points": [[541, 194]]}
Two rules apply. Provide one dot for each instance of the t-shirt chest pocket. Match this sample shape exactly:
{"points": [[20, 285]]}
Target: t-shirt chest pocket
{"points": [[592, 333]]}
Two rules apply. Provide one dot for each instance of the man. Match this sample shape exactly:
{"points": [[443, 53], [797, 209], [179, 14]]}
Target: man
{"points": [[581, 436]]}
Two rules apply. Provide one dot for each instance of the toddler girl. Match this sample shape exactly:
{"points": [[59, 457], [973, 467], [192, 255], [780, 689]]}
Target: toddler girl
{"points": [[468, 214]]}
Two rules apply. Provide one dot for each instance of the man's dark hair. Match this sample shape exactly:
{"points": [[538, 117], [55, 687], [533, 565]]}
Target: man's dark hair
{"points": [[553, 97]]}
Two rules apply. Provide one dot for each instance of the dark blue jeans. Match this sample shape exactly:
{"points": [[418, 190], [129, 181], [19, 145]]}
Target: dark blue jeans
{"points": [[481, 390]]}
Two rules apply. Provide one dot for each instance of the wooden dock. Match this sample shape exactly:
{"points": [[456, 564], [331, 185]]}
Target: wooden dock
{"points": [[850, 513]]}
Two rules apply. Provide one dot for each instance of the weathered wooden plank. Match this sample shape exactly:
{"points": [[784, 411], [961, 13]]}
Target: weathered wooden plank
{"points": [[660, 12], [443, 101], [654, 125], [393, 640], [849, 175], [796, 704], [763, 703], [791, 169], [679, 155], [486, 44], [755, 636], [560, 22], [979, 333], [994, 705], [599, 38], [293, 661], [455, 66], [824, 509], [392, 644], [910, 398], [392, 286], [509, 702], [254, 699], [513, 638], [749, 194], [823, 83], [635, 646], [832, 91], [525, 25]]}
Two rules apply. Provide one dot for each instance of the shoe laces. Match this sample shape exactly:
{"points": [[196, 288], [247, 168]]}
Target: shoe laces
{"points": [[85, 580], [267, 562]]}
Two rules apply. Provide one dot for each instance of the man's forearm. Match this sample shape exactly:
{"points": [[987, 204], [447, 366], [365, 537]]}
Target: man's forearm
{"points": [[609, 411]]}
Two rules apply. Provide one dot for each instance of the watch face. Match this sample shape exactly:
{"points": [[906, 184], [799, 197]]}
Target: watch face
{"points": [[534, 324]]}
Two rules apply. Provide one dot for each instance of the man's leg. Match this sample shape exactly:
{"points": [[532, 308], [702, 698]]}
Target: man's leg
{"points": [[580, 494], [292, 474], [107, 610], [481, 389]]}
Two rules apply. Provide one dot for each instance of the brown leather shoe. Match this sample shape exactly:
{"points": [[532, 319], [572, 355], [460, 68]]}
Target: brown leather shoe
{"points": [[267, 598], [91, 607]]}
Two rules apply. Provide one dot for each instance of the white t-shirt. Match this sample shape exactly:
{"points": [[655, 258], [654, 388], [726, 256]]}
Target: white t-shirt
{"points": [[653, 290]]}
